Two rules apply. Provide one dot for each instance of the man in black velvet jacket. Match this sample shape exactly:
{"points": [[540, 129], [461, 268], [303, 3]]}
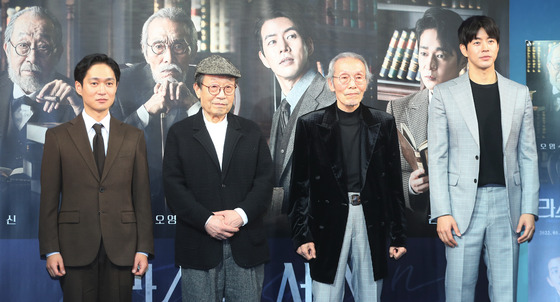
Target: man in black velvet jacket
{"points": [[346, 190]]}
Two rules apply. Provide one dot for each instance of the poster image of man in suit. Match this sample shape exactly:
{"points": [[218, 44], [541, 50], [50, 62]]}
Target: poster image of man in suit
{"points": [[346, 193], [95, 223], [484, 182], [153, 95], [286, 45], [439, 60]]}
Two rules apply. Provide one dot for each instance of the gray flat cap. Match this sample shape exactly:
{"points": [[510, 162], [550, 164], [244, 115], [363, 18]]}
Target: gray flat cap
{"points": [[217, 65]]}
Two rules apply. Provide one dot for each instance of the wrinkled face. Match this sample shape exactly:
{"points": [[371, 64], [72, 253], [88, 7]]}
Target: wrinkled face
{"points": [[284, 50], [349, 95], [554, 273], [553, 67], [215, 106], [98, 90], [167, 66], [482, 51], [35, 69], [436, 65]]}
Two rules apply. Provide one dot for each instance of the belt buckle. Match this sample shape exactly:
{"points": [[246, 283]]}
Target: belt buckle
{"points": [[355, 199]]}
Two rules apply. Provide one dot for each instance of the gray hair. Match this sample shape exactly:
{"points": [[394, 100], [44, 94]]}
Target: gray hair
{"points": [[40, 12], [176, 15], [344, 55]]}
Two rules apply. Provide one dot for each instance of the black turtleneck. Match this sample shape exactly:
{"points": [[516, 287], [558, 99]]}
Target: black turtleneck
{"points": [[350, 128]]}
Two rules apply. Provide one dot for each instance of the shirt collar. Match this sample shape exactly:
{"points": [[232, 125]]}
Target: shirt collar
{"points": [[90, 121], [213, 125], [299, 89], [18, 92]]}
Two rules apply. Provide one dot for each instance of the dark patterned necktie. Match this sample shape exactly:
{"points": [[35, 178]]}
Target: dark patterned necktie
{"points": [[98, 148], [284, 115]]}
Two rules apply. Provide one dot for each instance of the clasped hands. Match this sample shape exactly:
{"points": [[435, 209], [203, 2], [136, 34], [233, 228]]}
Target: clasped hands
{"points": [[168, 95], [223, 224]]}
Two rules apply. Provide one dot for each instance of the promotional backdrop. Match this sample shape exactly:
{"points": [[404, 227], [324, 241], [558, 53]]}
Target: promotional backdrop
{"points": [[226, 27]]}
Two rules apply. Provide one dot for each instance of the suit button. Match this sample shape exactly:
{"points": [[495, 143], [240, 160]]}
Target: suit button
{"points": [[101, 189], [223, 185], [476, 157], [327, 201], [475, 180], [282, 151]]}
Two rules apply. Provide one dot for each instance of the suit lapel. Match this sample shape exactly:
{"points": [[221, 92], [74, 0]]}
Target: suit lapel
{"points": [[78, 134], [307, 104], [507, 105], [329, 133], [116, 138], [368, 139], [203, 137], [417, 115], [233, 135], [465, 104]]}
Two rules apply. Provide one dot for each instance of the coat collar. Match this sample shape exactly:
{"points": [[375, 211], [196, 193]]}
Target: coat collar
{"points": [[467, 108], [329, 133], [233, 134], [78, 134]]}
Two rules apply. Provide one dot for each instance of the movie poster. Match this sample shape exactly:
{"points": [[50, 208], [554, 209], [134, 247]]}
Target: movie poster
{"points": [[543, 80], [382, 31]]}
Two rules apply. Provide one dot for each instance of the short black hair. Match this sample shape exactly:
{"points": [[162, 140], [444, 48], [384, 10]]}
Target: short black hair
{"points": [[470, 27], [287, 9], [446, 23], [96, 58]]}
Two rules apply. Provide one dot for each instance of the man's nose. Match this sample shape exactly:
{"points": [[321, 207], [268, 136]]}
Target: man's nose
{"points": [[32, 55], [167, 54], [433, 63], [284, 45]]}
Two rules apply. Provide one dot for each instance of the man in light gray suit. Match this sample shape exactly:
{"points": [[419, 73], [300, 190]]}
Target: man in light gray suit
{"points": [[483, 168], [285, 46]]}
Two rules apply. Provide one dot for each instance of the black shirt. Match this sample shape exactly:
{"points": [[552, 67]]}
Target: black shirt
{"points": [[350, 128], [488, 113]]}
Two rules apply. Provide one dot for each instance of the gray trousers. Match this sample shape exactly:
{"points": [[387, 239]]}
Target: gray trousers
{"points": [[228, 280], [489, 233], [356, 253]]}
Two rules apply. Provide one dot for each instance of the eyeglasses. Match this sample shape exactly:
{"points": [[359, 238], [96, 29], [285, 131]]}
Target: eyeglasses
{"points": [[344, 79], [556, 65], [177, 47], [215, 89], [24, 48]]}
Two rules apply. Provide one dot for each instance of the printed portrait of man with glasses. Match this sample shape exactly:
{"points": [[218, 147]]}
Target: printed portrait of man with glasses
{"points": [[153, 95], [31, 92]]}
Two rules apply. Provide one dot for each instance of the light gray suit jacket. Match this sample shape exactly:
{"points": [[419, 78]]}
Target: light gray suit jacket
{"points": [[453, 141]]}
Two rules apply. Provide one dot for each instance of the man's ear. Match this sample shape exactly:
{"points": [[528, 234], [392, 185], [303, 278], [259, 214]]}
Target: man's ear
{"points": [[264, 60], [78, 87], [196, 89], [331, 84], [463, 49], [310, 46]]}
